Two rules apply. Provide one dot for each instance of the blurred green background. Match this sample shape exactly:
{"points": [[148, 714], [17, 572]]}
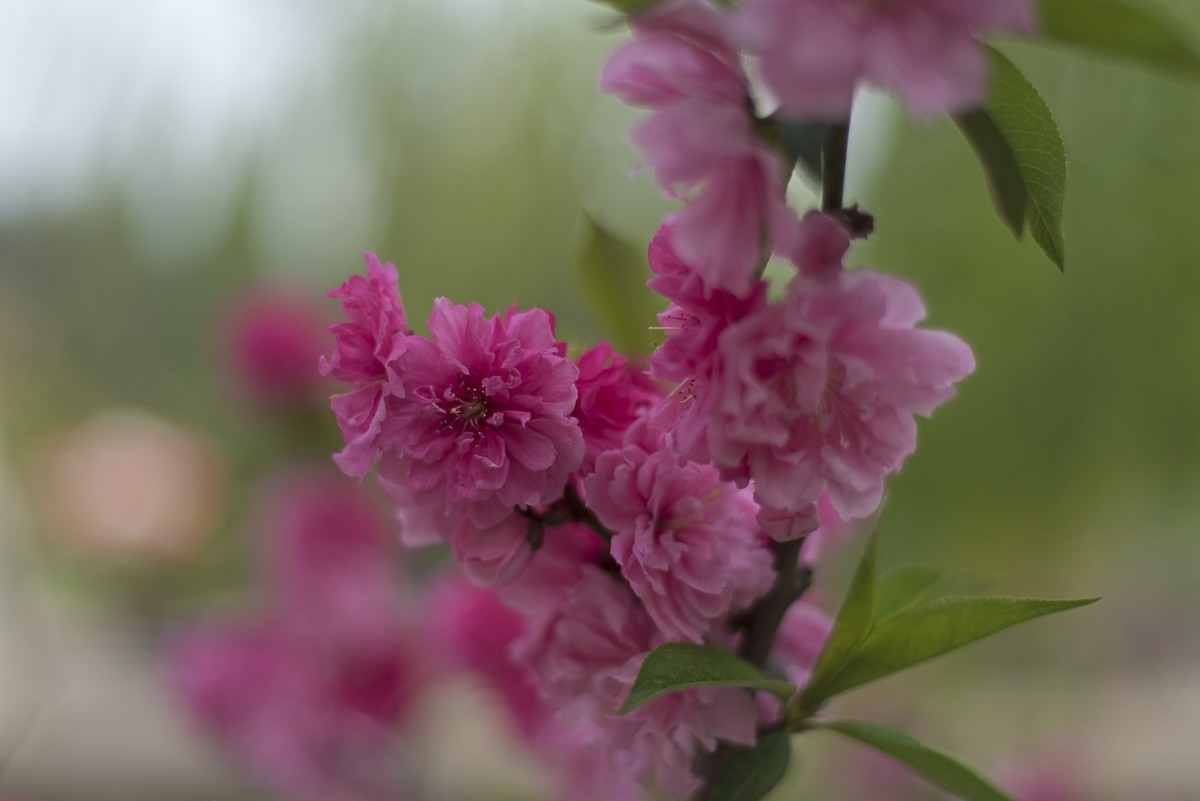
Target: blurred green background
{"points": [[156, 159]]}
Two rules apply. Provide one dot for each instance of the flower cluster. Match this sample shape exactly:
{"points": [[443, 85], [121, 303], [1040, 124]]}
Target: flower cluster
{"points": [[614, 506]]}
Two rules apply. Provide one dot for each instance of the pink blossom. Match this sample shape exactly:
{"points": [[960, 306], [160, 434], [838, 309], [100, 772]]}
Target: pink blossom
{"points": [[820, 245], [484, 422], [689, 357], [311, 690], [473, 630], [801, 637], [368, 345], [612, 394], [700, 141], [818, 391], [813, 54], [686, 542], [273, 340], [830, 532], [330, 558], [490, 556], [585, 653], [313, 723]]}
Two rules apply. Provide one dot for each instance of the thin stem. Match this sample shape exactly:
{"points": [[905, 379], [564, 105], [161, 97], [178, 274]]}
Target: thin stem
{"points": [[580, 513], [833, 167], [791, 581]]}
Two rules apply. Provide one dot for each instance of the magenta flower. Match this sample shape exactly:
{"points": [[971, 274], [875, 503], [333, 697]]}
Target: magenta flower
{"points": [[818, 391], [367, 348], [686, 542], [688, 357], [585, 653], [484, 420], [273, 340], [330, 559], [472, 630], [314, 722], [311, 692], [700, 140], [613, 393], [813, 54]]}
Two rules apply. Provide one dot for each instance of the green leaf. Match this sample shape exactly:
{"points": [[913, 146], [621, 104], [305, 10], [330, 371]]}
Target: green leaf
{"points": [[851, 626], [920, 633], [1128, 30], [937, 766], [1022, 153], [999, 162], [905, 586], [751, 773], [614, 276], [678, 666], [629, 6]]}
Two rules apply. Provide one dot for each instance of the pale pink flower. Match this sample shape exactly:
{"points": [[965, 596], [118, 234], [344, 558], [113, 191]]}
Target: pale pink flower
{"points": [[368, 345], [688, 356], [687, 542], [273, 340], [613, 392], [472, 630], [700, 141], [813, 54], [801, 637], [585, 653], [818, 391], [484, 422], [831, 531], [820, 245]]}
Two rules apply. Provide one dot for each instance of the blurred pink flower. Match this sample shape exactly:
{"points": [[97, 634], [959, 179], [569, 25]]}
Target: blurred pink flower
{"points": [[311, 691], [687, 543], [484, 419], [700, 141], [818, 391], [273, 340], [367, 347], [801, 638], [312, 722], [330, 558], [813, 54]]}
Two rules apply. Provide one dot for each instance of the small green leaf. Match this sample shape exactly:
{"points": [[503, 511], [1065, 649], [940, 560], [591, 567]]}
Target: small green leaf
{"points": [[614, 274], [905, 586], [1020, 146], [629, 6], [751, 773], [920, 633], [678, 666], [1128, 30], [1005, 180], [851, 626], [936, 766]]}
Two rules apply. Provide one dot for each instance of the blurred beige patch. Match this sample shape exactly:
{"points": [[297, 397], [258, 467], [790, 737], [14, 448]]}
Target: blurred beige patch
{"points": [[128, 483]]}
